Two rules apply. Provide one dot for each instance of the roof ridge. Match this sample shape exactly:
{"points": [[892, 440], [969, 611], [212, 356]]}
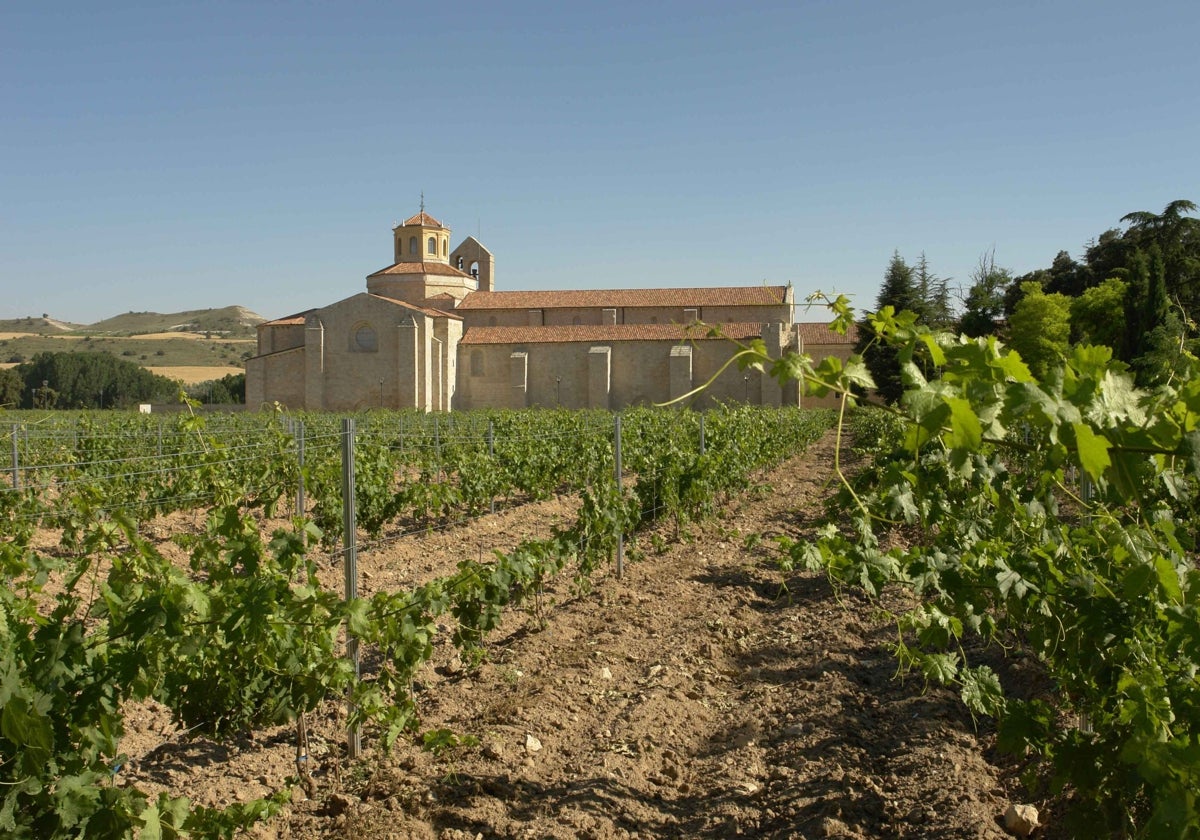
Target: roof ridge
{"points": [[422, 218], [678, 297], [575, 333]]}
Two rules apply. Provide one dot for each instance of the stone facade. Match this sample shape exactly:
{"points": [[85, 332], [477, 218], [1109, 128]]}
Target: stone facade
{"points": [[431, 332]]}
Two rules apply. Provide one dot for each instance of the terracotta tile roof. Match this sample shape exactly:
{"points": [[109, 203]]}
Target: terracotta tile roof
{"points": [[604, 332], [298, 318], [298, 347], [444, 303], [420, 268], [690, 298], [818, 333], [424, 310], [421, 218]]}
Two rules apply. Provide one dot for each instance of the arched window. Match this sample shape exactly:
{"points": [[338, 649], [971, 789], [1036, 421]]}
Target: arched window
{"points": [[460, 262], [477, 363], [412, 245], [431, 246], [444, 251], [363, 339]]}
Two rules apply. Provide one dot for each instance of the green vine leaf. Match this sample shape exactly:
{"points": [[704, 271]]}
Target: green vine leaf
{"points": [[965, 431], [1093, 450]]}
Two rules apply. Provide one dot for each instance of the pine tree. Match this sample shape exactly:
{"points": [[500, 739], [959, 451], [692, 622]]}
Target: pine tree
{"points": [[934, 293], [1146, 307], [900, 292]]}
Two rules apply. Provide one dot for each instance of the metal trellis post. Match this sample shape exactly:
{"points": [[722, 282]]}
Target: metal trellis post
{"points": [[491, 454], [350, 541], [620, 531], [16, 459], [437, 445], [300, 464]]}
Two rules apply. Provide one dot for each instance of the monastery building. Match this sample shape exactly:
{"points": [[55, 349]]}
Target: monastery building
{"points": [[432, 332]]}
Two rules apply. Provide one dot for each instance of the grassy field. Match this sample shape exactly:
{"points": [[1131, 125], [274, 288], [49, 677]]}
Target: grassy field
{"points": [[161, 350], [190, 375]]}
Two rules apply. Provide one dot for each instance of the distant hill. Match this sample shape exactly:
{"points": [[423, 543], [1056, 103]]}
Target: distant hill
{"points": [[227, 322], [38, 325]]}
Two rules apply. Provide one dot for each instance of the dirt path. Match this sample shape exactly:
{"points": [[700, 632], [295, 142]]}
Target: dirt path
{"points": [[685, 700]]}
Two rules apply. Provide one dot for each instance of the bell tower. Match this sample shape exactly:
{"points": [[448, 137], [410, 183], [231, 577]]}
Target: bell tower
{"points": [[423, 273], [422, 238]]}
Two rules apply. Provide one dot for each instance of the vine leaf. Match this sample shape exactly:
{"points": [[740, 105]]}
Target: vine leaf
{"points": [[151, 824], [965, 431], [22, 724], [1168, 578], [940, 667], [1008, 580], [1093, 450], [981, 692], [1136, 582]]}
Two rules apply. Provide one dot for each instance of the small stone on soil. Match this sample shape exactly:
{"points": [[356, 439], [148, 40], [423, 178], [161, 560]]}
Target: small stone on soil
{"points": [[1021, 820]]}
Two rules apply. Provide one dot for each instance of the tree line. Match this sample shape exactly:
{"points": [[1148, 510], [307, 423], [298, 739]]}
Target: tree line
{"points": [[90, 380], [1133, 291]]}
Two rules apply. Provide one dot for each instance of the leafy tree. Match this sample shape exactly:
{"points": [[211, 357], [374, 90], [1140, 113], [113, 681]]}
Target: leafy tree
{"points": [[1098, 315], [1157, 257], [84, 380], [228, 390], [11, 386], [1177, 236], [984, 305], [1109, 255], [1040, 329], [1065, 276]]}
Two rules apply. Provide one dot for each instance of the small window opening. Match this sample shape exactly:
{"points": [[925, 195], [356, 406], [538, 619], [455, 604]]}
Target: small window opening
{"points": [[365, 340]]}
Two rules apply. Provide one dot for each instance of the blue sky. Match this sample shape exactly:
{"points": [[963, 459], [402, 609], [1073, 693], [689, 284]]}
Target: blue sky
{"points": [[165, 156]]}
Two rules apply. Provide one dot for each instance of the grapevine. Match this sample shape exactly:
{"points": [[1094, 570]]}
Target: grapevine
{"points": [[1057, 516], [244, 635]]}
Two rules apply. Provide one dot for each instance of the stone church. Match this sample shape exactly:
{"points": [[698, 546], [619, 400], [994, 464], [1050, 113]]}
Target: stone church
{"points": [[432, 332]]}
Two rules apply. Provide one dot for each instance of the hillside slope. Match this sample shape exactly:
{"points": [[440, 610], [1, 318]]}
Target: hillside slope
{"points": [[227, 322]]}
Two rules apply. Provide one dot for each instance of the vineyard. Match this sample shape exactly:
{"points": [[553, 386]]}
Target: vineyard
{"points": [[578, 624], [233, 627]]}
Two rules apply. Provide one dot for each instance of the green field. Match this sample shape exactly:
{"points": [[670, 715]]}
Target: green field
{"points": [[159, 352]]}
